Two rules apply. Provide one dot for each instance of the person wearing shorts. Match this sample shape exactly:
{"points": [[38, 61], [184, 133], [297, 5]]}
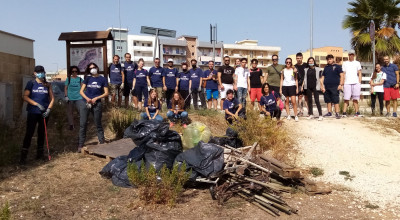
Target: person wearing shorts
{"points": [[289, 87], [352, 83], [117, 79], [331, 83], [156, 74], [212, 93], [129, 71], [256, 81], [141, 83], [300, 66], [391, 85], [225, 79]]}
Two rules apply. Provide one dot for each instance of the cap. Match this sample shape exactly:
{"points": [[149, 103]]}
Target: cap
{"points": [[352, 52], [170, 60], [39, 69]]}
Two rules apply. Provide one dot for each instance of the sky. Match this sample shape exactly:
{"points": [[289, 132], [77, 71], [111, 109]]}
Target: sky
{"points": [[283, 23]]}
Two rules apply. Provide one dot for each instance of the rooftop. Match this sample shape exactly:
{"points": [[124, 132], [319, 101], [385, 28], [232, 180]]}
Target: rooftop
{"points": [[14, 35]]}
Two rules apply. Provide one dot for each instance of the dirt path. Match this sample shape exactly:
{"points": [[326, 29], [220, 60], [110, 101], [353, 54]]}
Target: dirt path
{"points": [[362, 147]]}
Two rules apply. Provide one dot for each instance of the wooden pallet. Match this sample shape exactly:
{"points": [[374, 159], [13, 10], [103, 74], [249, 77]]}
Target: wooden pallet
{"points": [[110, 150]]}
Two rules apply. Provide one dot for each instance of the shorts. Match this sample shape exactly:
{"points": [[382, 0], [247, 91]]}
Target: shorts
{"points": [[115, 89], [390, 94], [140, 92], [212, 93], [160, 92], [289, 91], [352, 91], [331, 95], [255, 93], [275, 89], [226, 88], [127, 88]]}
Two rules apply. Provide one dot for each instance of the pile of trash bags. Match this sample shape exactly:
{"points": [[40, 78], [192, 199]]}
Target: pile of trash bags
{"points": [[194, 133], [231, 139]]}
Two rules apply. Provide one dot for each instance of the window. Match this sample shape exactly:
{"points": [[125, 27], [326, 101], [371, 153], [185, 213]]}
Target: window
{"points": [[143, 44], [149, 45], [134, 43]]}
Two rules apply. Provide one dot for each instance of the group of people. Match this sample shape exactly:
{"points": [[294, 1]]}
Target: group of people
{"points": [[150, 89]]}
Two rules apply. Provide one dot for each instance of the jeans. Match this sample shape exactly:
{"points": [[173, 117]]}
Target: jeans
{"points": [[31, 122], [96, 111], [181, 115], [309, 94], [196, 94], [242, 94], [380, 99], [70, 109], [144, 116]]}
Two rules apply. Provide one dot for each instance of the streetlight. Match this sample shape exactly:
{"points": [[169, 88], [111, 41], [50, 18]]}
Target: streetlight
{"points": [[311, 28]]}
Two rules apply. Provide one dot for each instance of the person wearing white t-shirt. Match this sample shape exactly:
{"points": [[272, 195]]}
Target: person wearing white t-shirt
{"points": [[289, 87], [352, 83], [242, 81], [377, 79]]}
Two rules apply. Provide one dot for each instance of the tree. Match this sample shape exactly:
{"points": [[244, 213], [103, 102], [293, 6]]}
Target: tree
{"points": [[386, 16]]}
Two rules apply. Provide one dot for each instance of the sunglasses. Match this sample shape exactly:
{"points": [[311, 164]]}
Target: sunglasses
{"points": [[274, 59], [226, 60], [74, 71], [288, 62]]}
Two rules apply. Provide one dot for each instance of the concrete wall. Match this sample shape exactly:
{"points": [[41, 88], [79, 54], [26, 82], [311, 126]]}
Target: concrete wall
{"points": [[17, 45]]}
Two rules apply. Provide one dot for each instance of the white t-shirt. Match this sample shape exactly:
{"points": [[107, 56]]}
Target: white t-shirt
{"points": [[351, 69], [379, 76], [242, 76], [288, 77]]}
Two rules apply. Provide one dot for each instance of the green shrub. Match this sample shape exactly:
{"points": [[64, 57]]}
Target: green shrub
{"points": [[5, 212], [350, 108], [120, 120], [315, 171]]}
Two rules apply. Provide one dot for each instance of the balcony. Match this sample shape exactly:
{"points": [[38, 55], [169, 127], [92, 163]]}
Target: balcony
{"points": [[142, 48], [269, 57]]}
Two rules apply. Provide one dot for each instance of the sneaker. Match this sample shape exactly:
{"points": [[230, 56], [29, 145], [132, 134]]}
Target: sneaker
{"points": [[357, 114], [320, 118], [344, 115], [171, 124], [184, 125], [310, 117], [395, 114], [288, 117], [337, 116], [300, 114], [387, 114], [296, 118], [329, 114]]}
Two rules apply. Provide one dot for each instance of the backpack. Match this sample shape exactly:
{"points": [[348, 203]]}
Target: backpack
{"points": [[280, 103]]}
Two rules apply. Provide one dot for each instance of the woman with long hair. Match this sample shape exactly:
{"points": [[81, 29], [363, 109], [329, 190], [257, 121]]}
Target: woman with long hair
{"points": [[152, 107], [177, 110], [312, 86], [269, 102], [377, 79], [140, 83], [289, 87], [72, 93]]}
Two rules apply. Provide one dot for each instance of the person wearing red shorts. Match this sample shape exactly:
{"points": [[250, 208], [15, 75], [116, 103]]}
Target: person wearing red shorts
{"points": [[391, 85], [256, 81]]}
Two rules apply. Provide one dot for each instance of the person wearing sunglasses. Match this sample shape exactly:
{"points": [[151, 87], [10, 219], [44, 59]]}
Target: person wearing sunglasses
{"points": [[225, 79], [289, 87], [242, 75], [273, 74], [72, 93]]}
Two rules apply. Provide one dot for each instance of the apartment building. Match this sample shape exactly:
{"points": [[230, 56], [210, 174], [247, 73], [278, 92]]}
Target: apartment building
{"points": [[205, 54], [320, 54], [142, 46], [118, 46], [173, 49]]}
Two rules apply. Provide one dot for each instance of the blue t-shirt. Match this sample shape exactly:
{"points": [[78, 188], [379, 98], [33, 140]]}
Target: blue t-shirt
{"points": [[74, 88], [195, 76], [95, 86], [115, 73], [141, 78], [152, 108], [269, 101], [230, 105], [156, 75], [211, 84], [184, 81], [38, 93], [332, 75], [170, 77], [390, 75], [129, 71]]}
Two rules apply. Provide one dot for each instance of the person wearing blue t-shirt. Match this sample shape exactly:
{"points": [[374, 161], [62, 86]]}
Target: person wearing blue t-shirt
{"points": [[156, 74], [211, 77], [391, 85], [129, 68], [170, 81], [94, 88], [185, 84], [332, 81], [196, 78], [177, 111], [152, 107], [72, 94], [117, 79], [140, 83], [232, 107], [270, 102]]}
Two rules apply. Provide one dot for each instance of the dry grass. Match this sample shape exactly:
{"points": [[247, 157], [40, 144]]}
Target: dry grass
{"points": [[120, 119]]}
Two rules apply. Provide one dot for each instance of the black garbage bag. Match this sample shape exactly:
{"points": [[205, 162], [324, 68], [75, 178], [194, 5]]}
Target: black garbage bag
{"points": [[231, 139], [206, 159], [139, 131], [137, 154], [116, 170], [231, 133]]}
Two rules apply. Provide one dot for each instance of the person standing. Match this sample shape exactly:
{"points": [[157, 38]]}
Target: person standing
{"points": [[270, 103], [391, 85], [156, 74], [72, 94], [140, 83], [129, 68], [332, 80], [211, 77], [377, 79], [117, 79], [225, 79], [39, 96], [185, 85], [352, 83], [289, 87], [273, 75], [196, 78], [300, 66], [256, 82], [242, 75], [170, 81], [312, 86]]}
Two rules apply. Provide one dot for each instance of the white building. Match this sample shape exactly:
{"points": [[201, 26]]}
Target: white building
{"points": [[142, 46], [119, 45]]}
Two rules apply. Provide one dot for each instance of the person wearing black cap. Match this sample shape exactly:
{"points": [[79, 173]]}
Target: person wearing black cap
{"points": [[196, 78], [39, 96]]}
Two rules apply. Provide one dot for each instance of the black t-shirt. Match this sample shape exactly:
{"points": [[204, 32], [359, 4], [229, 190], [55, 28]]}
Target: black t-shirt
{"points": [[226, 74], [255, 81], [311, 79], [300, 72]]}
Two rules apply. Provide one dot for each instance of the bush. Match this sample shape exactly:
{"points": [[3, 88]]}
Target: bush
{"points": [[120, 120], [5, 212], [162, 188]]}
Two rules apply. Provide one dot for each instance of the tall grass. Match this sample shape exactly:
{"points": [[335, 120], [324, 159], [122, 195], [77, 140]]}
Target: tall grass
{"points": [[10, 143], [120, 119], [5, 212]]}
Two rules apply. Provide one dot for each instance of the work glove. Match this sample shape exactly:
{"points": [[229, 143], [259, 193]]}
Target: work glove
{"points": [[88, 105], [149, 88], [66, 98], [199, 89], [46, 113], [122, 86], [42, 109]]}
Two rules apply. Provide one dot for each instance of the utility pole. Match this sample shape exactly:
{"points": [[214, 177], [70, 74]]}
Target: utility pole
{"points": [[213, 38], [119, 18], [372, 36], [311, 28]]}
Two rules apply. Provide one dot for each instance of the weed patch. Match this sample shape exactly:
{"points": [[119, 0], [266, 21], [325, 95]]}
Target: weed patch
{"points": [[347, 175], [5, 212], [120, 120], [315, 171]]}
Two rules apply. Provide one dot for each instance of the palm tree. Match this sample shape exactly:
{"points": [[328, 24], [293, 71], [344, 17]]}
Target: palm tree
{"points": [[386, 16]]}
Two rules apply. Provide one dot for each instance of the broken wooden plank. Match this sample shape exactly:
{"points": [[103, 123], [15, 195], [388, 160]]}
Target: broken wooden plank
{"points": [[110, 150]]}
